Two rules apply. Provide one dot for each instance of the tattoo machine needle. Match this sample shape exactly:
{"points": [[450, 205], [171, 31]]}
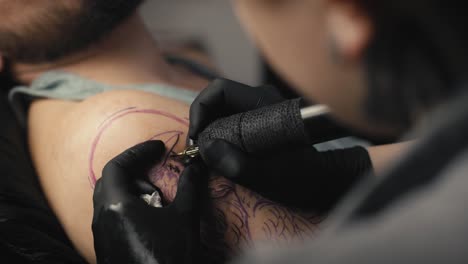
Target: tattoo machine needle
{"points": [[190, 152], [272, 127]]}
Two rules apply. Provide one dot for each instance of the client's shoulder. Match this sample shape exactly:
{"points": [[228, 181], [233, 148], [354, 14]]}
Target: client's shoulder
{"points": [[77, 116], [108, 102], [89, 133], [71, 142]]}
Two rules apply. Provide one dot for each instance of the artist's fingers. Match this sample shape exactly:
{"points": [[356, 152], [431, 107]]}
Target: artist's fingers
{"points": [[145, 187], [224, 98], [203, 109], [190, 187], [224, 158], [119, 175], [138, 158]]}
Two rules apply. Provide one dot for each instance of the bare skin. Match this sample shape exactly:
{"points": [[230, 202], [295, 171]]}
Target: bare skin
{"points": [[385, 156]]}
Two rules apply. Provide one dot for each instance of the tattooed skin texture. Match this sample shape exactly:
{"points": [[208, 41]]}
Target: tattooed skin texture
{"points": [[252, 218], [233, 217]]}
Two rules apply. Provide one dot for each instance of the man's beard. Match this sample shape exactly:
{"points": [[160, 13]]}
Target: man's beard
{"points": [[61, 31]]}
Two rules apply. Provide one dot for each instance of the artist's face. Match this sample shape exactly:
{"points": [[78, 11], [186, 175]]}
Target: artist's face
{"points": [[317, 46], [45, 30]]}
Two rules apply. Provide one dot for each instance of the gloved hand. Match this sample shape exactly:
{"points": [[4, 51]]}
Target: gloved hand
{"points": [[299, 177], [224, 98], [127, 230]]}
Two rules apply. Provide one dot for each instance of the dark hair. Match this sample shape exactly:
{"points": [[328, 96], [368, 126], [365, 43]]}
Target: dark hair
{"points": [[417, 57]]}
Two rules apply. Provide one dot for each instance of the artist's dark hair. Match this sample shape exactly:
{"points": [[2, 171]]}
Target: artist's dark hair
{"points": [[417, 58]]}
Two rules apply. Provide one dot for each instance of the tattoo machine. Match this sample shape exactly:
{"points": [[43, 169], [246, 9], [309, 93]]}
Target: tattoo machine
{"points": [[271, 127]]}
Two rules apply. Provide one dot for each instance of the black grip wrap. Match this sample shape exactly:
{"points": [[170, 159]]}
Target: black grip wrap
{"points": [[261, 129]]}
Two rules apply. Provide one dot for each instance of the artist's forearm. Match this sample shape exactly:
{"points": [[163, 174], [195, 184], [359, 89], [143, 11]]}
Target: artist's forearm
{"points": [[383, 156]]}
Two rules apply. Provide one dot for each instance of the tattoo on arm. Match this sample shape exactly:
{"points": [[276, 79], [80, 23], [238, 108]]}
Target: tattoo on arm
{"points": [[255, 218]]}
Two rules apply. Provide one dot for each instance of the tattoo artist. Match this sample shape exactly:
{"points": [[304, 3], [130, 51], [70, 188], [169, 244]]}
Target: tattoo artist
{"points": [[384, 67]]}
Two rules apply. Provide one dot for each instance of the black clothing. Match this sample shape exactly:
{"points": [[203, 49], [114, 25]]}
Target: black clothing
{"points": [[29, 231]]}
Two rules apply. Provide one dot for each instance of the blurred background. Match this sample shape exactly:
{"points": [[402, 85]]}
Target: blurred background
{"points": [[212, 24]]}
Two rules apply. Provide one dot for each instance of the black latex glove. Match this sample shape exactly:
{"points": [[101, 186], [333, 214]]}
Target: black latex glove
{"points": [[298, 177], [224, 98], [127, 230]]}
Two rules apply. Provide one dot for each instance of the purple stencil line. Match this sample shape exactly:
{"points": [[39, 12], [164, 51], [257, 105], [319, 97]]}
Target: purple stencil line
{"points": [[165, 133], [116, 113], [176, 135], [110, 120]]}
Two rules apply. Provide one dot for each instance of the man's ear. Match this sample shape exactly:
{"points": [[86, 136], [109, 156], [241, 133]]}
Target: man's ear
{"points": [[350, 28]]}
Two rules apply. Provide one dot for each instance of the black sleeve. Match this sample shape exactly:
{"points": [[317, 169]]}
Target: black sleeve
{"points": [[345, 168], [331, 176], [29, 231]]}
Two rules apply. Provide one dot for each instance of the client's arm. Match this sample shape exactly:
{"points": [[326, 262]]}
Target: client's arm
{"points": [[243, 219], [71, 143], [235, 217]]}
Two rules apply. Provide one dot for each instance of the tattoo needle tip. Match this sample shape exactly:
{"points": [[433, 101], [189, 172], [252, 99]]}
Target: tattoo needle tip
{"points": [[191, 152]]}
